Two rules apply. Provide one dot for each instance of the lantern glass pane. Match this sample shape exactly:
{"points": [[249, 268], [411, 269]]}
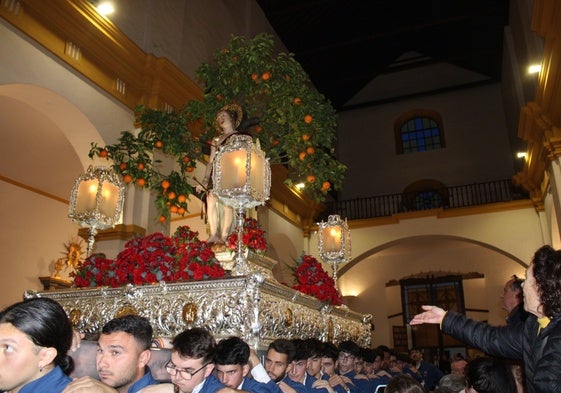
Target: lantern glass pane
{"points": [[233, 165], [86, 199], [108, 199], [257, 173]]}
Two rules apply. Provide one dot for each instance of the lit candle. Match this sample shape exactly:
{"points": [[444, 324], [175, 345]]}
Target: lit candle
{"points": [[86, 198], [332, 239], [233, 169]]}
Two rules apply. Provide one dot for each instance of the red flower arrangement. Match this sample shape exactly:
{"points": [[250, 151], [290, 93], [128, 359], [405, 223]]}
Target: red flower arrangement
{"points": [[150, 259], [253, 237], [312, 280]]}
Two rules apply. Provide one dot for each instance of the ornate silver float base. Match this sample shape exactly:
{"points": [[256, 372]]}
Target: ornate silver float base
{"points": [[254, 307]]}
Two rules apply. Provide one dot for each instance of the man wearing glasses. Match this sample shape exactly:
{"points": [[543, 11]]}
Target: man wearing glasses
{"points": [[191, 363], [348, 352]]}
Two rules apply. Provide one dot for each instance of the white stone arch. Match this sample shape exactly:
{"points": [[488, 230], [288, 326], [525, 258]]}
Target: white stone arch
{"points": [[70, 122]]}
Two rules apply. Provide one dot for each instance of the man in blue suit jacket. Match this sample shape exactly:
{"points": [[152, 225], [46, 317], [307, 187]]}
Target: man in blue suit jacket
{"points": [[231, 367], [191, 363]]}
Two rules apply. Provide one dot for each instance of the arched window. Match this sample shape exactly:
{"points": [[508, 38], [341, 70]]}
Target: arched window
{"points": [[418, 131]]}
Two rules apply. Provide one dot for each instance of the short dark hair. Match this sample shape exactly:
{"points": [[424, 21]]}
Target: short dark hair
{"points": [[490, 375], [301, 351], [232, 350], [195, 343], [135, 325], [315, 347], [349, 347], [516, 283], [368, 355], [330, 351], [46, 324], [282, 345]]}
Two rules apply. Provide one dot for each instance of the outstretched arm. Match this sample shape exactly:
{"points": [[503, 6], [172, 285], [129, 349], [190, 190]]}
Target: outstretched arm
{"points": [[432, 314]]}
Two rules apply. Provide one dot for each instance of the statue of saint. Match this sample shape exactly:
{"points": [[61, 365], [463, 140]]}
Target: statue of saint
{"points": [[220, 216]]}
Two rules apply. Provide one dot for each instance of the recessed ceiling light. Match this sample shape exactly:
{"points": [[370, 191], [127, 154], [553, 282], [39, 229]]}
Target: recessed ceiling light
{"points": [[521, 154], [534, 68], [105, 8]]}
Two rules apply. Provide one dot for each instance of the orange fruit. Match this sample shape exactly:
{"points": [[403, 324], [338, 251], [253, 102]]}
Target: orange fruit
{"points": [[302, 155], [297, 101], [140, 182], [275, 142], [311, 179], [171, 195], [219, 97], [181, 198], [162, 219], [325, 186], [266, 76], [186, 159], [123, 166], [254, 76], [173, 209], [258, 129], [103, 153], [310, 150], [140, 166], [305, 137], [308, 119], [127, 178], [181, 211], [189, 169], [159, 144], [165, 184]]}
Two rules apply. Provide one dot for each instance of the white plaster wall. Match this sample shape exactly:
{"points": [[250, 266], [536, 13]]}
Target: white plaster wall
{"points": [[188, 32], [474, 129], [23, 61], [515, 232], [369, 278], [33, 233]]}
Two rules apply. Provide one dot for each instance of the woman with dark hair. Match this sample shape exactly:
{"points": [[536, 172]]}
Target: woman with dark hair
{"points": [[404, 383], [489, 375], [35, 336], [537, 341]]}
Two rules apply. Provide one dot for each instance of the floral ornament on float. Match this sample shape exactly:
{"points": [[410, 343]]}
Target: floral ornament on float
{"points": [[313, 280], [151, 259], [253, 237]]}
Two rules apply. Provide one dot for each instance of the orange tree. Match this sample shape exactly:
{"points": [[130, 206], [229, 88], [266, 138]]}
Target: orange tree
{"points": [[294, 123]]}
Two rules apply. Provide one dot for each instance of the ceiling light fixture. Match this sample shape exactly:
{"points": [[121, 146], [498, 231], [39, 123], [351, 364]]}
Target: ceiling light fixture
{"points": [[521, 154], [534, 68], [105, 8]]}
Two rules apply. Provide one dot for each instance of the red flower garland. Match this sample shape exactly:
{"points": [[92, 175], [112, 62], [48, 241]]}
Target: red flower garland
{"points": [[312, 280], [150, 259], [253, 237]]}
